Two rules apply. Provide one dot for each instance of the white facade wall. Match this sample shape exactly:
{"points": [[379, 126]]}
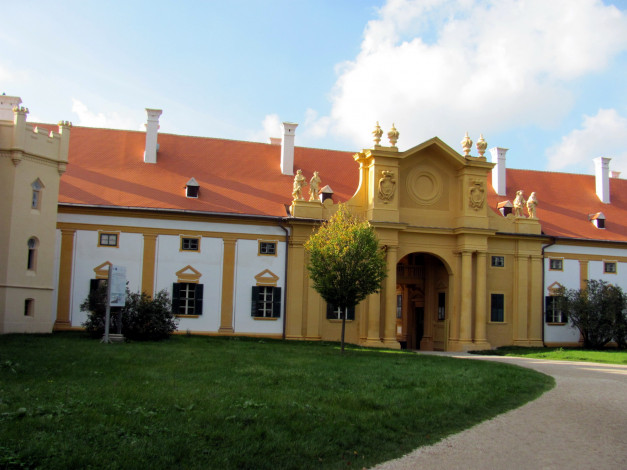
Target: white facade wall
{"points": [[208, 261], [248, 265], [571, 275], [88, 255]]}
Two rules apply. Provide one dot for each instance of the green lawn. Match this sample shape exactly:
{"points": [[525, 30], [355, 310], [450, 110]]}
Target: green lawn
{"points": [[196, 402], [607, 356]]}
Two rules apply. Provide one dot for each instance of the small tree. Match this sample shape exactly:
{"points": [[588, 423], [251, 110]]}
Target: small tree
{"points": [[345, 262], [596, 311]]}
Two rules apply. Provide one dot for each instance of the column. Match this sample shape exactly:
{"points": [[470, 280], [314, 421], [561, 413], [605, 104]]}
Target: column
{"points": [[65, 279], [480, 300], [389, 332], [148, 265], [374, 320], [465, 321], [583, 273], [521, 301], [228, 282], [535, 320]]}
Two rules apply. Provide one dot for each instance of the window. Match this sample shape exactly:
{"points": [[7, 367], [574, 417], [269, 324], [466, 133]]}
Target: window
{"points": [[556, 264], [36, 201], [266, 302], [498, 261], [29, 307], [31, 263], [190, 244], [95, 286], [553, 314], [191, 188], [497, 307], [187, 298], [108, 239], [335, 313], [267, 248], [609, 267], [399, 305], [441, 306]]}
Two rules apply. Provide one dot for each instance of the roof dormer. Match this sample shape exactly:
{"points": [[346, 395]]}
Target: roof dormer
{"points": [[597, 219], [191, 188]]}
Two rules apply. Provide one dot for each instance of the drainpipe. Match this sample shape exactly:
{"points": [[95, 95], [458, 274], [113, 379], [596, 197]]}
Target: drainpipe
{"points": [[287, 243], [543, 276]]}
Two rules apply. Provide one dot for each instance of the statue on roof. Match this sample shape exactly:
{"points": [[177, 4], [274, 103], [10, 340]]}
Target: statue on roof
{"points": [[377, 133], [314, 187], [532, 202], [299, 183], [519, 204]]}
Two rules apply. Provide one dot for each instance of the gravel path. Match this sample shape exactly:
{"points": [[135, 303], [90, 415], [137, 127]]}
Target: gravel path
{"points": [[579, 424]]}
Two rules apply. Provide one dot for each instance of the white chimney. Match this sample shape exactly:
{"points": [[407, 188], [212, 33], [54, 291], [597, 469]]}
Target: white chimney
{"points": [[498, 172], [287, 148], [602, 174], [152, 127], [7, 103], [614, 174]]}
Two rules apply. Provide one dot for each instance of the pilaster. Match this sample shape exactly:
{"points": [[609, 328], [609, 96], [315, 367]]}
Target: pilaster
{"points": [[65, 280], [228, 282]]}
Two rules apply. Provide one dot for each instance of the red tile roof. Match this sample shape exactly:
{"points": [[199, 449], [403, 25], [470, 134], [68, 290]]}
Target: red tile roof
{"points": [[565, 201], [106, 168]]}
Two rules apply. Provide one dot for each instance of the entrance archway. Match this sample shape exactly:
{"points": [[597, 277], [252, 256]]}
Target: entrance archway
{"points": [[422, 297]]}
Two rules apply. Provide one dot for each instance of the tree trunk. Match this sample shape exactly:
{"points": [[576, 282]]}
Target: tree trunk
{"points": [[343, 327]]}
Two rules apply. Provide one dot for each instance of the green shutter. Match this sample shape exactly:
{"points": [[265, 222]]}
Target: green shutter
{"points": [[276, 302], [255, 298], [198, 299], [176, 297]]}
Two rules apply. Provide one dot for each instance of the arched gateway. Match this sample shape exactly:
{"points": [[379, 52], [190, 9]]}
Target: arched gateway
{"points": [[461, 275]]}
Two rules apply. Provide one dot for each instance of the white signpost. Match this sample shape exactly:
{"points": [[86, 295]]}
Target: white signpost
{"points": [[116, 295]]}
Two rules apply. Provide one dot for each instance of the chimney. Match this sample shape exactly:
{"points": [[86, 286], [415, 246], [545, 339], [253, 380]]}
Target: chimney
{"points": [[7, 103], [602, 174], [498, 172], [287, 148], [152, 127], [614, 174]]}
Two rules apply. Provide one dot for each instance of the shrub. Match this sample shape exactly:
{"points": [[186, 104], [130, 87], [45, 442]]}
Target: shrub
{"points": [[143, 318], [597, 312]]}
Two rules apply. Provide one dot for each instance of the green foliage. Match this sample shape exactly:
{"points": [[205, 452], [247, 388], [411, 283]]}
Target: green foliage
{"points": [[197, 402], [345, 261], [607, 356], [597, 312], [146, 318], [143, 318]]}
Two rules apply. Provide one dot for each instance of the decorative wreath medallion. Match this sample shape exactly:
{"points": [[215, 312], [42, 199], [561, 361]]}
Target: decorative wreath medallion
{"points": [[423, 186], [476, 194]]}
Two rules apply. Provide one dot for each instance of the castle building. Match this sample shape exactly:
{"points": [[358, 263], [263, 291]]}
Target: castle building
{"points": [[475, 250]]}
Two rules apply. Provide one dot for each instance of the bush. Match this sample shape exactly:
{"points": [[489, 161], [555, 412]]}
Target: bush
{"points": [[143, 318], [597, 312]]}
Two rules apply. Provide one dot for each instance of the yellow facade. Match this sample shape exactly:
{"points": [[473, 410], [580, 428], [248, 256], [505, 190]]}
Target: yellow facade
{"points": [[429, 208], [31, 163]]}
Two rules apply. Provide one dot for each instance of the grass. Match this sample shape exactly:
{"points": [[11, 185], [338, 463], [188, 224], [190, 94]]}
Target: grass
{"points": [[197, 403], [606, 356]]}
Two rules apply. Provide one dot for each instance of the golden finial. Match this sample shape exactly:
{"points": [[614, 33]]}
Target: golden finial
{"points": [[393, 136], [481, 145], [377, 133], [466, 144]]}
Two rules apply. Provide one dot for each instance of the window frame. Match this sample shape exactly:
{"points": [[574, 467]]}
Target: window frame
{"points": [[263, 308], [31, 259], [334, 313], [493, 296], [606, 264], [190, 239], [441, 305], [556, 260], [29, 307], [267, 243], [494, 261], [192, 306], [37, 187], [102, 234], [557, 318]]}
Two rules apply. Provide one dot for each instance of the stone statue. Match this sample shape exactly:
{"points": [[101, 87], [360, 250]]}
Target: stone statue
{"points": [[299, 184], [532, 202], [314, 187], [377, 133], [519, 204]]}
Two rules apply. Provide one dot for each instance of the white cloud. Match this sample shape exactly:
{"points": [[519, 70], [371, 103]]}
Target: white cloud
{"points": [[602, 135], [271, 127], [110, 120], [443, 67]]}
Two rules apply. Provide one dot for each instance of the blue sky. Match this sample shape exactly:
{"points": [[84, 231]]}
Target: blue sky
{"points": [[544, 79]]}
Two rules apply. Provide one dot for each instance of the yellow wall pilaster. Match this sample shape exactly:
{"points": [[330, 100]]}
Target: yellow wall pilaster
{"points": [[521, 300], [480, 301], [465, 321], [65, 279], [148, 266], [389, 333], [228, 280], [583, 274]]}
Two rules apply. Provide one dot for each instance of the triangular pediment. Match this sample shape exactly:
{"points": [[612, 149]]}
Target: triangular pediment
{"points": [[266, 278], [554, 288], [102, 270], [188, 274]]}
